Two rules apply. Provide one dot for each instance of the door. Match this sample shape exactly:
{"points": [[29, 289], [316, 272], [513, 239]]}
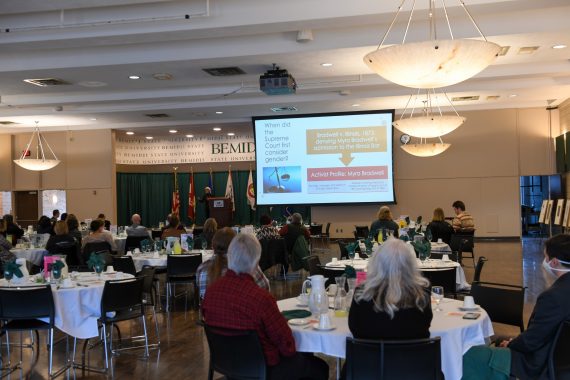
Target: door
{"points": [[26, 208]]}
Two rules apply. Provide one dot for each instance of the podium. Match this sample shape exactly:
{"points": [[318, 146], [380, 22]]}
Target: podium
{"points": [[221, 210]]}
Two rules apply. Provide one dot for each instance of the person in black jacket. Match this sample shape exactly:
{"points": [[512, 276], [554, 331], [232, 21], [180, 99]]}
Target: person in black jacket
{"points": [[61, 239], [12, 229], [529, 351], [439, 228]]}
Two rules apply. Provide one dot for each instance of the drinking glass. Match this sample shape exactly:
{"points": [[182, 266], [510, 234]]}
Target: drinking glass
{"points": [[351, 255], [56, 274], [98, 269], [204, 244], [8, 275], [437, 294]]}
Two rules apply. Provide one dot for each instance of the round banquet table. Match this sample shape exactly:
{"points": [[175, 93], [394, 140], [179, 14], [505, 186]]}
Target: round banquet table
{"points": [[33, 255], [427, 265], [78, 308], [142, 259], [457, 334]]}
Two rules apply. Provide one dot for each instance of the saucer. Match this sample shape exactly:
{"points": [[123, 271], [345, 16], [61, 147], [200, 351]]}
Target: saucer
{"points": [[317, 327], [474, 308], [113, 272], [299, 321]]}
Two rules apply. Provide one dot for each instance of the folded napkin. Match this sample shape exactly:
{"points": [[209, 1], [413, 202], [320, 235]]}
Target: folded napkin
{"points": [[24, 267], [295, 313]]}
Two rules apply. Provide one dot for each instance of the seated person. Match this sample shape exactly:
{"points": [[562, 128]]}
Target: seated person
{"points": [[463, 220], [293, 230], [5, 246], [45, 226], [73, 228], [107, 223], [526, 356], [236, 302], [395, 300], [210, 228], [136, 229], [173, 229], [210, 271], [12, 229], [384, 221], [99, 234], [267, 230], [61, 237], [439, 228]]}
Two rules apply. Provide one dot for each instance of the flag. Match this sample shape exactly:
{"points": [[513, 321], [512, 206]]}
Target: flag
{"points": [[250, 191], [175, 196], [230, 190], [211, 183], [191, 199]]}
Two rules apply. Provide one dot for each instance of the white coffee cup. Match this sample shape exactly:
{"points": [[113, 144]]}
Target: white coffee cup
{"points": [[334, 260], [324, 321], [468, 302], [110, 269], [67, 283], [445, 257], [137, 250], [331, 290], [439, 240], [129, 253]]}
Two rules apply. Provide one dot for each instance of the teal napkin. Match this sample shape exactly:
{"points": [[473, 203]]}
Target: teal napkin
{"points": [[295, 313]]}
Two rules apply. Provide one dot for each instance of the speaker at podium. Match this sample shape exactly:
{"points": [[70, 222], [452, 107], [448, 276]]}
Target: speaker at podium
{"points": [[221, 210]]}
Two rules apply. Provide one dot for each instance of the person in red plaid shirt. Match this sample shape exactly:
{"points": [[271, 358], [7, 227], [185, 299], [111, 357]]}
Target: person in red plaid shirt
{"points": [[236, 302]]}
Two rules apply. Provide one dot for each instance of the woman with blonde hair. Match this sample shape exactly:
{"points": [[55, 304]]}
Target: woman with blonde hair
{"points": [[384, 221], [439, 228], [394, 302]]}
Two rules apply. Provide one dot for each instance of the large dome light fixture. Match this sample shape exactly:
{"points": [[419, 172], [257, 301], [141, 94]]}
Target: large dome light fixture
{"points": [[433, 123], [433, 63], [39, 163]]}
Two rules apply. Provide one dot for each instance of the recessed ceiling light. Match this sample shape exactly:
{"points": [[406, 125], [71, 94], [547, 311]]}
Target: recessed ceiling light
{"points": [[148, 137], [231, 134], [559, 46], [356, 105], [219, 112], [130, 133], [134, 77], [217, 129], [513, 95], [173, 131], [189, 136], [92, 83], [93, 118], [326, 64]]}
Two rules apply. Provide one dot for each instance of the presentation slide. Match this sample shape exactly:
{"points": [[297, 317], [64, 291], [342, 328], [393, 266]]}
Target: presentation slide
{"points": [[324, 159]]}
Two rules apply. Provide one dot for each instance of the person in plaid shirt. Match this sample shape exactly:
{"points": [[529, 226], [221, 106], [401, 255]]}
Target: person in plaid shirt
{"points": [[236, 302], [210, 271]]}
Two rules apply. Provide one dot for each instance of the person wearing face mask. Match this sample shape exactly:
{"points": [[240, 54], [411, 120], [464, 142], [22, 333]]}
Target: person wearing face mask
{"points": [[528, 352]]}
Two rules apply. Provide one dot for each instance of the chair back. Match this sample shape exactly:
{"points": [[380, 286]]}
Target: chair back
{"points": [[504, 303], [461, 243], [445, 277], [330, 274], [316, 230], [183, 265], [393, 359], [278, 250], [147, 273], [343, 250], [30, 302], [70, 250], [479, 268], [123, 298], [124, 264], [267, 259], [97, 247], [133, 242], [236, 354], [558, 360], [314, 263], [361, 232]]}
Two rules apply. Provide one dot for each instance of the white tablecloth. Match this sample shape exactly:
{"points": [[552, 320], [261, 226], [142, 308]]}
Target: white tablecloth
{"points": [[141, 260], [457, 335], [78, 308], [33, 255], [428, 265], [440, 247]]}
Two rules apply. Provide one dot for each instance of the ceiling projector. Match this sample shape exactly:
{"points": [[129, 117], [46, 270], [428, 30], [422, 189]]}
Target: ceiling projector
{"points": [[277, 82]]}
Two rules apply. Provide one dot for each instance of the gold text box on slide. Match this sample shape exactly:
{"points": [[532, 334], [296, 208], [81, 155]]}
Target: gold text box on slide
{"points": [[341, 140]]}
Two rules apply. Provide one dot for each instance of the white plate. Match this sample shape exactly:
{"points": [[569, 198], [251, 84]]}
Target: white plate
{"points": [[67, 287], [316, 327], [475, 308], [299, 321], [113, 272]]}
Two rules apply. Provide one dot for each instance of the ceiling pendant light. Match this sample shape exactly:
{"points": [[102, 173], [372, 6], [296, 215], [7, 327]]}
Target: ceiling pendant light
{"points": [[433, 63], [425, 149], [432, 123], [41, 162]]}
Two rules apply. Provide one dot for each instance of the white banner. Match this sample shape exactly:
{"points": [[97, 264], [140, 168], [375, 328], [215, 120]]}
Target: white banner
{"points": [[183, 150]]}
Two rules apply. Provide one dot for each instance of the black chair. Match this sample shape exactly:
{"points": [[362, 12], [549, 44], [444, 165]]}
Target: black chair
{"points": [[504, 303], [71, 251], [558, 360], [125, 264], [361, 232], [102, 247], [463, 243], [343, 250], [393, 359], [479, 268], [121, 301], [314, 264], [326, 236], [445, 277], [181, 270], [267, 259], [276, 253], [330, 274], [236, 354], [20, 310], [150, 296], [133, 242]]}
